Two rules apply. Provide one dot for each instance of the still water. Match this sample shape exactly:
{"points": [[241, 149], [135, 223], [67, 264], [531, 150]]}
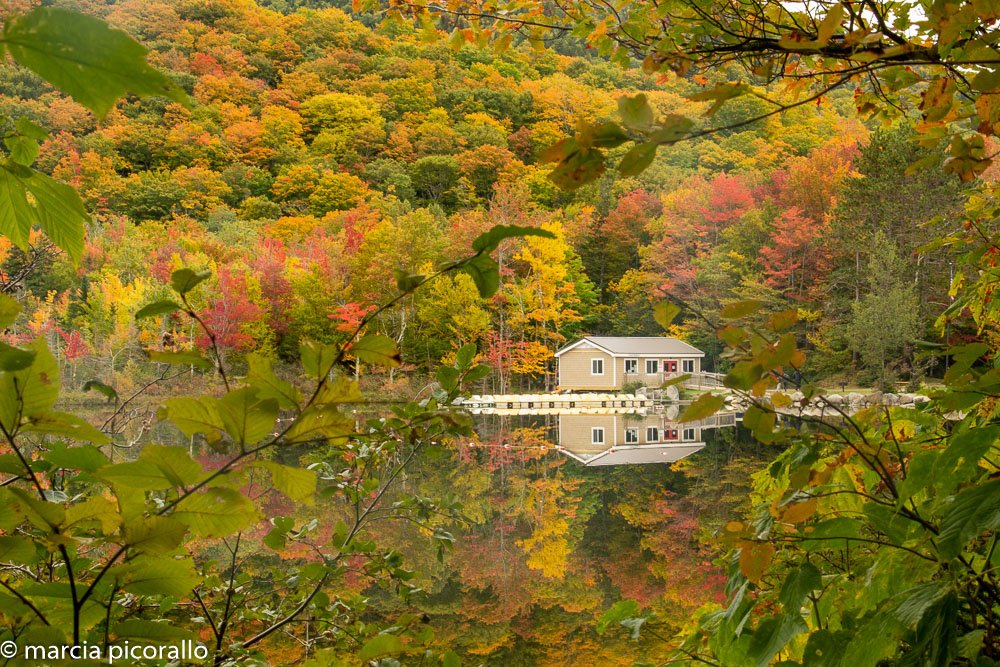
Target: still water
{"points": [[568, 514]]}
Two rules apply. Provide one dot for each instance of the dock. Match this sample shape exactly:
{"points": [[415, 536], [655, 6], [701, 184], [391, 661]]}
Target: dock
{"points": [[582, 403]]}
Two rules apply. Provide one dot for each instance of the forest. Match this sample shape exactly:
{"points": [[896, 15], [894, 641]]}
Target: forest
{"points": [[251, 253]]}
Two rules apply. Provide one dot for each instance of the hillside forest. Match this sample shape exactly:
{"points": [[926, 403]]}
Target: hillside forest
{"points": [[252, 253]]}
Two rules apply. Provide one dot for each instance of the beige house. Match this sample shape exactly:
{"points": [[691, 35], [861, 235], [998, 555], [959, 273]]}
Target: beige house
{"points": [[619, 438], [610, 362]]}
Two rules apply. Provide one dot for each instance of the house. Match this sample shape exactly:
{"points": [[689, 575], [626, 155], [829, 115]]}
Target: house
{"points": [[615, 439], [611, 362]]}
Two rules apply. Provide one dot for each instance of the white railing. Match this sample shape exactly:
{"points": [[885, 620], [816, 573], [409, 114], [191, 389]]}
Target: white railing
{"points": [[704, 380]]}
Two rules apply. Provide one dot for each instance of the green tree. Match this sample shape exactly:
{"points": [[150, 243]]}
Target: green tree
{"points": [[886, 319]]}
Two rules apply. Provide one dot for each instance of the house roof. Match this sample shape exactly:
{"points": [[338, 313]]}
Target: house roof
{"points": [[636, 454], [619, 346]]}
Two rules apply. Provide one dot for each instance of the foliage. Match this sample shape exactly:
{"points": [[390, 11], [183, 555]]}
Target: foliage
{"points": [[940, 63]]}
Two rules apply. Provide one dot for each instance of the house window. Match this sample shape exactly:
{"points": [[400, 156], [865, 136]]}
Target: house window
{"points": [[689, 434], [597, 366], [652, 434], [631, 366], [687, 365], [597, 436], [652, 366], [631, 436]]}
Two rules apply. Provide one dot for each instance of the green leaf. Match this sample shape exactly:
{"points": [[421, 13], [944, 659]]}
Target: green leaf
{"points": [[23, 145], [317, 358], [43, 514], [407, 282], [32, 391], [799, 583], [485, 273], [157, 308], [182, 358], [673, 128], [604, 135], [450, 659], [29, 198], [158, 576], [95, 509], [705, 406], [217, 512], [18, 550], [636, 112], [376, 349], [465, 355], [85, 58], [14, 358], [247, 418], [720, 94], [974, 511], [67, 426], [914, 603], [734, 311], [143, 475], [194, 415], [665, 312], [9, 310], [959, 462], [743, 375], [380, 646], [488, 241], [299, 484], [163, 632], [618, 612], [261, 376], [772, 635], [185, 280], [98, 386], [320, 422], [637, 159], [154, 535], [447, 377], [175, 463]]}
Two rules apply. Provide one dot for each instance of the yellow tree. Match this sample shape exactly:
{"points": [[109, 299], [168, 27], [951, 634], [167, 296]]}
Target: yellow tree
{"points": [[542, 299]]}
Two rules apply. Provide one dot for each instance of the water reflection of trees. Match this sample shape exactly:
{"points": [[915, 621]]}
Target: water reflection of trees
{"points": [[551, 544]]}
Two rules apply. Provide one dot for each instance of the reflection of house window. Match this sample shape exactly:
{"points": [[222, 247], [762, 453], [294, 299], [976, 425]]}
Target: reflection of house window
{"points": [[597, 436], [631, 366], [689, 434], [652, 366], [652, 434], [687, 365], [631, 436], [597, 366]]}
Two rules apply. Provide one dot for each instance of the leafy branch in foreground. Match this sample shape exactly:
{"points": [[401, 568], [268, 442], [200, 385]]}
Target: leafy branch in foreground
{"points": [[95, 65], [105, 551], [936, 60], [872, 535]]}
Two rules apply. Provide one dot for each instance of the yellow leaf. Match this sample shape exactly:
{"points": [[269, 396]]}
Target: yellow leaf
{"points": [[830, 24], [755, 557], [799, 512]]}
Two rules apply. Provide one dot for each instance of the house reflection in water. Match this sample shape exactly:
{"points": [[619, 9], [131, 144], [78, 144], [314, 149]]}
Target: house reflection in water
{"points": [[619, 439]]}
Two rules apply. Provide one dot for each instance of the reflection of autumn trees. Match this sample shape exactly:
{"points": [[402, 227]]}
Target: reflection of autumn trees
{"points": [[551, 545]]}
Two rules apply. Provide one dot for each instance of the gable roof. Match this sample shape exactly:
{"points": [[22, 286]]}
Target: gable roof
{"points": [[636, 454], [637, 345]]}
